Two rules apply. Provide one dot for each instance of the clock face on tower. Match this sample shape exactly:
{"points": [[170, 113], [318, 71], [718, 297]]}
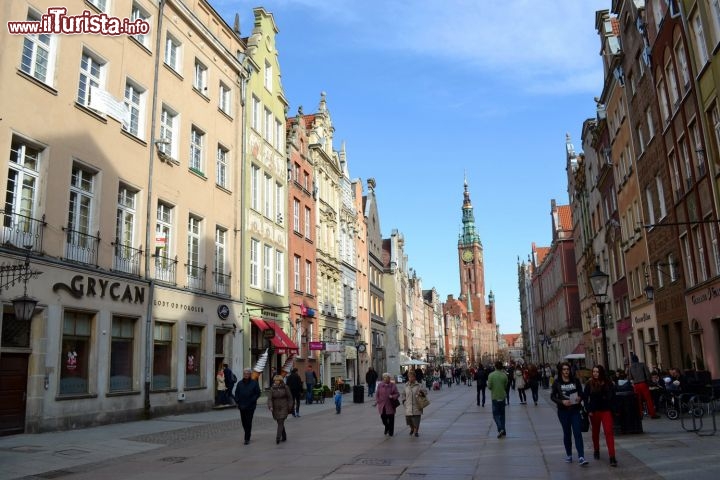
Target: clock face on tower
{"points": [[467, 256]]}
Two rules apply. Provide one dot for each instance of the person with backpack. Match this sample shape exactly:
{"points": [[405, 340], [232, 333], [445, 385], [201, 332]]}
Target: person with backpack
{"points": [[481, 384], [230, 381]]}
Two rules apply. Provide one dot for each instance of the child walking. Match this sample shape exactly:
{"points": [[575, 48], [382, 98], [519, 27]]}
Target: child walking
{"points": [[338, 401]]}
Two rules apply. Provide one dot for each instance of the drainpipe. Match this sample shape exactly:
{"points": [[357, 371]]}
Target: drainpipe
{"points": [[148, 214]]}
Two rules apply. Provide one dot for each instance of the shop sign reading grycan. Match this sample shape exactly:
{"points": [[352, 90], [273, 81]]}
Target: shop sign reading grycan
{"points": [[82, 286]]}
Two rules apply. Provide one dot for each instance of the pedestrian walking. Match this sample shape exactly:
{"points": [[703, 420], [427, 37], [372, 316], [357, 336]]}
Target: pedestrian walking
{"points": [[280, 404], [247, 393], [410, 395], [639, 375], [497, 384], [310, 381], [520, 384], [387, 400], [510, 372], [230, 380], [371, 378], [480, 384], [599, 397], [221, 396], [567, 394], [296, 387], [533, 381], [338, 401]]}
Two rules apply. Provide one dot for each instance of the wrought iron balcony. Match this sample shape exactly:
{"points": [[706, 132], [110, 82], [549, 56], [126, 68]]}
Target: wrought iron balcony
{"points": [[126, 258], [81, 247], [23, 232], [195, 277], [222, 283], [166, 269]]}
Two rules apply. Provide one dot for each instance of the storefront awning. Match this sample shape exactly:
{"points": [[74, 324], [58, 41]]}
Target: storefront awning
{"points": [[280, 341]]}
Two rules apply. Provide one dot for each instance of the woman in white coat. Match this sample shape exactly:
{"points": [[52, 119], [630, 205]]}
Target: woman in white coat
{"points": [[520, 384], [410, 395]]}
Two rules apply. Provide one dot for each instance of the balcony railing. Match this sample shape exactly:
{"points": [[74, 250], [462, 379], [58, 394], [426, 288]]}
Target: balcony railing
{"points": [[21, 231], [222, 283], [166, 269], [195, 277], [127, 259], [81, 247]]}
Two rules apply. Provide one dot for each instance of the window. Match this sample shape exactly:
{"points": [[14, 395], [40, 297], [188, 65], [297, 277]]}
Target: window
{"points": [[700, 42], [21, 195], [135, 103], [256, 113], [193, 248], [698, 149], [650, 206], [296, 273], [254, 262], [162, 356], [279, 203], [700, 249], [139, 13], [661, 197], [267, 196], [660, 276], [197, 138], [101, 5], [268, 79], [687, 253], [672, 84], [193, 356], [38, 55], [641, 139], [279, 272], [686, 161], [267, 267], [222, 280], [715, 261], [92, 75], [683, 65], [200, 77], [279, 135], [122, 348], [125, 230], [75, 353], [308, 277], [221, 167], [641, 64], [80, 243], [296, 215], [715, 119], [255, 187], [651, 126], [164, 265], [715, 16], [168, 132], [664, 107], [308, 226], [268, 130], [631, 81], [225, 99], [173, 52], [672, 265], [677, 182]]}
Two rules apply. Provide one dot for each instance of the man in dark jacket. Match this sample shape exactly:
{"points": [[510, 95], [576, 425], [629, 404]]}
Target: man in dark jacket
{"points": [[247, 393], [230, 380], [481, 384], [295, 383], [371, 378]]}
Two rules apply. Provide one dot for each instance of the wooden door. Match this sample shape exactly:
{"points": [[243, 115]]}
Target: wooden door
{"points": [[13, 392]]}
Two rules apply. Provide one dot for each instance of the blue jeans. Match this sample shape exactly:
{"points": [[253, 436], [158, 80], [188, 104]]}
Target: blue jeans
{"points": [[570, 421], [371, 388], [498, 411], [309, 393]]}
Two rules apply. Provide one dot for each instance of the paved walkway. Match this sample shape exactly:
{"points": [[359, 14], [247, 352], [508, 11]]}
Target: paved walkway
{"points": [[457, 441]]}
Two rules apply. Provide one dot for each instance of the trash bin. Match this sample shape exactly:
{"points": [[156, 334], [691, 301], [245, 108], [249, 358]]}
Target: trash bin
{"points": [[627, 413], [358, 394]]}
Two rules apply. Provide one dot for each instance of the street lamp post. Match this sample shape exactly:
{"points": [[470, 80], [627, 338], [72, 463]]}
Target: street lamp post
{"points": [[358, 390], [599, 282]]}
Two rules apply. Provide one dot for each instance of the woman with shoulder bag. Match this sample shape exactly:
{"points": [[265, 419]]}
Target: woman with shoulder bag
{"points": [[386, 399], [599, 397], [567, 394], [280, 403], [413, 406]]}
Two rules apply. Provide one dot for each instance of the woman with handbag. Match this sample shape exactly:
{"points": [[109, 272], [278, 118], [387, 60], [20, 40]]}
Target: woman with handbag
{"points": [[280, 403], [386, 399], [599, 397], [414, 397]]}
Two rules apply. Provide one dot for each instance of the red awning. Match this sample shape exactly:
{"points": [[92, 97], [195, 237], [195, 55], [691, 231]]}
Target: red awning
{"points": [[580, 348], [280, 341]]}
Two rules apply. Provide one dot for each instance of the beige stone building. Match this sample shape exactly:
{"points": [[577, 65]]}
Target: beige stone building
{"points": [[122, 188]]}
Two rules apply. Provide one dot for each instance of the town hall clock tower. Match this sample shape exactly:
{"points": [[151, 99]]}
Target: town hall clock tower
{"points": [[470, 257]]}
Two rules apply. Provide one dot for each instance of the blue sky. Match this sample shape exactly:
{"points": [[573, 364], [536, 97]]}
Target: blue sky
{"points": [[426, 92]]}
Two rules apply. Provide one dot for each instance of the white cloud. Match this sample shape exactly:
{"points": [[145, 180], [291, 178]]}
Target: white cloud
{"points": [[528, 41]]}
